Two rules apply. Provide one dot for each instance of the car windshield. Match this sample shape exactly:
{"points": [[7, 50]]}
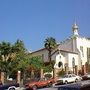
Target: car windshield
{"points": [[88, 74], [65, 76], [42, 79]]}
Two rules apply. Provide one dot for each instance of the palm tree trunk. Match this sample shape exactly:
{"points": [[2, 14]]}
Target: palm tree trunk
{"points": [[49, 56], [53, 71], [50, 61]]}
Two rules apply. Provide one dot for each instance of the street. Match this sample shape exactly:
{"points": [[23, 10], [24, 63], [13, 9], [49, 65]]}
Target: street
{"points": [[52, 88], [49, 88]]}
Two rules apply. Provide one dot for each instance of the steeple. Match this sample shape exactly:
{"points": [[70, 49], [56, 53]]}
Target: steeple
{"points": [[75, 29]]}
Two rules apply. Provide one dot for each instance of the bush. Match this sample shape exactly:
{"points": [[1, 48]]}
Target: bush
{"points": [[61, 73]]}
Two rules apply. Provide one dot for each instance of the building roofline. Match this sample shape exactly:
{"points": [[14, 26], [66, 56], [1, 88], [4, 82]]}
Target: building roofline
{"points": [[56, 51], [69, 51], [38, 50]]}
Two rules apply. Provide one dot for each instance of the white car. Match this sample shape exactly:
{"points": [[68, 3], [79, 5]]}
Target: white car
{"points": [[68, 79], [88, 75]]}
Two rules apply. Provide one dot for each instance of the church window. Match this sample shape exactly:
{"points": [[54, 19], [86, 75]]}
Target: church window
{"points": [[59, 64], [81, 48], [60, 57], [88, 55], [73, 62], [88, 52]]}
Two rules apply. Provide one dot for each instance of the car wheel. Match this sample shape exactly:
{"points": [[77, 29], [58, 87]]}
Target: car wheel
{"points": [[11, 89], [34, 87], [66, 82], [50, 84], [76, 80]]}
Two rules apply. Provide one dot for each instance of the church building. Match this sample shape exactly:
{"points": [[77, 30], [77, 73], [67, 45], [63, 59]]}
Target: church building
{"points": [[73, 53]]}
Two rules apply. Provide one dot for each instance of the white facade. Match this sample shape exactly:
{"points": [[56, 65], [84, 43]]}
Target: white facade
{"points": [[82, 45]]}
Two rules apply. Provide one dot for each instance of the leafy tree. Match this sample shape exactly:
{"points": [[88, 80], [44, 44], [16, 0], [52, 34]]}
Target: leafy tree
{"points": [[19, 47], [9, 54], [5, 56], [47, 68], [61, 73], [21, 60], [5, 50], [36, 64]]}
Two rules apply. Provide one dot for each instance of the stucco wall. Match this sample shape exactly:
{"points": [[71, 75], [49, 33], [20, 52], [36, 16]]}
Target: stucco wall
{"points": [[85, 43], [43, 53], [59, 58], [70, 59], [66, 58]]}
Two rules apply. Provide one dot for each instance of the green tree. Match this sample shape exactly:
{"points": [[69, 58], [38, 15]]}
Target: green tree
{"points": [[21, 59], [50, 44], [19, 47], [9, 54], [5, 50], [5, 56], [36, 64], [22, 64]]}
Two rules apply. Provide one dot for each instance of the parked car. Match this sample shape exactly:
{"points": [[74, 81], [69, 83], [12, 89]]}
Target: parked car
{"points": [[39, 83], [68, 79], [9, 86], [82, 85], [86, 76]]}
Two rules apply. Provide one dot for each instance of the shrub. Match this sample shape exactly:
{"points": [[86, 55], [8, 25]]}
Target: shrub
{"points": [[61, 73]]}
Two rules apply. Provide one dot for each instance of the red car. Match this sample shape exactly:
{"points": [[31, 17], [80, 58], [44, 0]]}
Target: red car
{"points": [[39, 83]]}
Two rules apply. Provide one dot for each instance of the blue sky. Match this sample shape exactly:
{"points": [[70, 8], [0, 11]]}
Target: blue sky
{"points": [[34, 20]]}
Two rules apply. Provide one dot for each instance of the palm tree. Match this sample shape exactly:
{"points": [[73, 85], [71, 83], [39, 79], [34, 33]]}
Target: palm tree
{"points": [[50, 44]]}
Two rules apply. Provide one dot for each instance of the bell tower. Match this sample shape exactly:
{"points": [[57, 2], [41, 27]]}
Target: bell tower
{"points": [[75, 29]]}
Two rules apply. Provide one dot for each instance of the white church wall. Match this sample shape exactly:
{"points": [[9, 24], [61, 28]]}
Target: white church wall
{"points": [[85, 43], [59, 58], [70, 59]]}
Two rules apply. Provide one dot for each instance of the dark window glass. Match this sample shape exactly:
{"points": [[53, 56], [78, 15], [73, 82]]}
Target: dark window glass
{"points": [[59, 64]]}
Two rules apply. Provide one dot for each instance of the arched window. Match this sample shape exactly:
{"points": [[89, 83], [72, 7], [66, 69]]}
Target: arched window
{"points": [[59, 64], [60, 57], [73, 62]]}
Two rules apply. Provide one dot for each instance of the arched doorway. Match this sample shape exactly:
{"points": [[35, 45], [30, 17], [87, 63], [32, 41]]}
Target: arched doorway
{"points": [[60, 64]]}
